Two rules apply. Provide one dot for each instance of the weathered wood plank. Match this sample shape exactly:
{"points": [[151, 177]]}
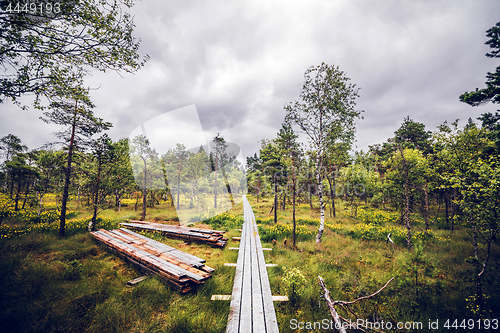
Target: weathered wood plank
{"points": [[143, 256], [258, 315], [250, 308], [246, 292], [150, 259], [210, 237], [178, 227], [269, 311], [235, 306], [136, 280], [178, 253], [182, 285], [220, 298]]}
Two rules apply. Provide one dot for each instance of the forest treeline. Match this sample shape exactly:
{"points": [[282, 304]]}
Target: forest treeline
{"points": [[104, 172]]}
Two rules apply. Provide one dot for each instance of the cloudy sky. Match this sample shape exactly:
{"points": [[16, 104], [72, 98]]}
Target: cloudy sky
{"points": [[240, 61]]}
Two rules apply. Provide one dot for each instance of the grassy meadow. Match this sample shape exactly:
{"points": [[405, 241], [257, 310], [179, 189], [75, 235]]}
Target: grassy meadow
{"points": [[73, 284]]}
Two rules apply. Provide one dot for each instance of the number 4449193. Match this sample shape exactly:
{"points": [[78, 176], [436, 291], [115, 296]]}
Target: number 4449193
{"points": [[485, 324], [34, 8]]}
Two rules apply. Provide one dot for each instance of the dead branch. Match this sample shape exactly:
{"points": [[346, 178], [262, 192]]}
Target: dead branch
{"points": [[331, 305], [389, 239], [335, 315], [364, 297]]}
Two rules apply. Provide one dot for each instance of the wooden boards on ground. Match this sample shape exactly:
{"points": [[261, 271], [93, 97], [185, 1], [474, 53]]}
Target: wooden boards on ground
{"points": [[211, 237], [182, 270], [252, 308]]}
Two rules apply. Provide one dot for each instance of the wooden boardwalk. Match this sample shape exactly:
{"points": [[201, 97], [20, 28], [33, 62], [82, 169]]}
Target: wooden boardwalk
{"points": [[252, 308]]}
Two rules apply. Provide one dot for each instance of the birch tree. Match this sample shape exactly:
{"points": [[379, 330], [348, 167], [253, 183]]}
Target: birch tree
{"points": [[325, 112]]}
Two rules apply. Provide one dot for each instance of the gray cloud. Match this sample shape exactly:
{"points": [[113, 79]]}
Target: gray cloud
{"points": [[241, 61]]}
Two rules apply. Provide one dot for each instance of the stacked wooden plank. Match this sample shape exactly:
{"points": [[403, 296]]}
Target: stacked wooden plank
{"points": [[182, 270], [205, 236]]}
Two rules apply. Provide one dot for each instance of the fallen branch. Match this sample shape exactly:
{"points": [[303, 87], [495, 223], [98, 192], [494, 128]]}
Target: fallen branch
{"points": [[331, 305], [364, 297], [390, 240], [335, 315]]}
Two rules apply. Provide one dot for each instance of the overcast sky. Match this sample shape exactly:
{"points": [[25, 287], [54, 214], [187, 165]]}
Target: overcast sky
{"points": [[239, 62]]}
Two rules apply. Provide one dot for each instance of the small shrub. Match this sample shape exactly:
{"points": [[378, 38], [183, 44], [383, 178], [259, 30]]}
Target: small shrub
{"points": [[293, 283], [73, 270]]}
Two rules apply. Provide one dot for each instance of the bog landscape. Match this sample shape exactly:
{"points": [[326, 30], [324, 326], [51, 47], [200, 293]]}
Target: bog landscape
{"points": [[149, 234]]}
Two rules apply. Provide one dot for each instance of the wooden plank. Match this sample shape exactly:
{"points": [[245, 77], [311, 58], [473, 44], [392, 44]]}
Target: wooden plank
{"points": [[235, 306], [136, 281], [182, 285], [141, 256], [220, 298], [251, 291], [207, 269], [186, 233], [258, 315], [178, 227], [246, 292], [160, 263], [178, 253], [228, 298], [175, 261], [126, 238], [211, 237], [269, 311]]}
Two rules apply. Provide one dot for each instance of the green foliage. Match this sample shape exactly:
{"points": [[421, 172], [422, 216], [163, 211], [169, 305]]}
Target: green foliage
{"points": [[294, 283], [282, 231], [74, 37], [72, 226], [325, 112], [72, 271], [224, 221]]}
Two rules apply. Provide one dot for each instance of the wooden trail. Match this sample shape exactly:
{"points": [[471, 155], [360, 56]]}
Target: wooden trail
{"points": [[252, 308]]}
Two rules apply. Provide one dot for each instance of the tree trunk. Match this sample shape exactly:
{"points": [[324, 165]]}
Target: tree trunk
{"points": [[331, 182], [452, 221], [78, 198], [284, 200], [275, 201], [321, 203], [144, 193], [228, 187], [215, 183], [446, 206], [16, 199], [426, 207], [310, 197], [293, 205], [179, 182], [407, 202], [96, 194], [26, 193], [118, 199], [67, 177], [39, 203]]}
